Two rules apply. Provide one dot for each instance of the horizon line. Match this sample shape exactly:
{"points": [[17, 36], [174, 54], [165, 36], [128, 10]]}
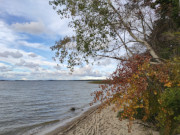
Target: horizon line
{"points": [[58, 80]]}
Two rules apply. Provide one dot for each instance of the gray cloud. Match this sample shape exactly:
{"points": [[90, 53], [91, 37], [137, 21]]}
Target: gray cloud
{"points": [[92, 73], [5, 69], [32, 55], [32, 27], [6, 54], [104, 62], [27, 64], [87, 71], [57, 67]]}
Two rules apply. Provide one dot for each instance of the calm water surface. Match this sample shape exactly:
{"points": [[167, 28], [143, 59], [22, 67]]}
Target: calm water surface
{"points": [[27, 107]]}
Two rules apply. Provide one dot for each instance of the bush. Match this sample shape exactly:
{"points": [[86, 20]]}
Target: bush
{"points": [[169, 115], [145, 91]]}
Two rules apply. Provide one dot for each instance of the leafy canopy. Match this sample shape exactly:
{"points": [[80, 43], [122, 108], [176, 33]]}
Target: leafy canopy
{"points": [[104, 28]]}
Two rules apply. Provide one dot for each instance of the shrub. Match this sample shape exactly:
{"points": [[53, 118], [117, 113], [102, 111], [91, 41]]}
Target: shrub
{"points": [[169, 114], [145, 91]]}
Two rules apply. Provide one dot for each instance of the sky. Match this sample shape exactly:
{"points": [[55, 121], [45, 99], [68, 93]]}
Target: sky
{"points": [[28, 28]]}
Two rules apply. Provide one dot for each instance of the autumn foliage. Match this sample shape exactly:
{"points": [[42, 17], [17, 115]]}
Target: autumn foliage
{"points": [[137, 86]]}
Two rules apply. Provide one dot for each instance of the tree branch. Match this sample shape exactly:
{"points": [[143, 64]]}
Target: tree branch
{"points": [[117, 58], [150, 49]]}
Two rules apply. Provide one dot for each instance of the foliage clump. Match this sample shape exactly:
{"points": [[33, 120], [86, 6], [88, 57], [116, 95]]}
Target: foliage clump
{"points": [[147, 91]]}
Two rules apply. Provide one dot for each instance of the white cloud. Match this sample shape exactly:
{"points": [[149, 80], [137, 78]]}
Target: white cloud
{"points": [[57, 67], [5, 68], [38, 11], [7, 36], [11, 39], [31, 28], [33, 45], [34, 71]]}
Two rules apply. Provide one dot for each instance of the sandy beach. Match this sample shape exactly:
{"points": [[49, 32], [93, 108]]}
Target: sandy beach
{"points": [[105, 122]]}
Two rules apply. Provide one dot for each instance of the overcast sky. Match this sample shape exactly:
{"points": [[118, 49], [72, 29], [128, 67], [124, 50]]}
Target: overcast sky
{"points": [[27, 30]]}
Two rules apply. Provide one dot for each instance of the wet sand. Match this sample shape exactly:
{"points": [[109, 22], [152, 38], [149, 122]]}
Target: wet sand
{"points": [[104, 122]]}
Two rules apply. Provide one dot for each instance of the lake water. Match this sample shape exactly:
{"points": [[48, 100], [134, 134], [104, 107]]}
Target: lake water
{"points": [[28, 107]]}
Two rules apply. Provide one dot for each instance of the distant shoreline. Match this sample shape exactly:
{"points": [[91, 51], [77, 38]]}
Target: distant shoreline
{"points": [[53, 80]]}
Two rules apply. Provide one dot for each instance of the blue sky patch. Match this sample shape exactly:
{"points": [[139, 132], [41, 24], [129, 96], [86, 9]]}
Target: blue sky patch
{"points": [[11, 19]]}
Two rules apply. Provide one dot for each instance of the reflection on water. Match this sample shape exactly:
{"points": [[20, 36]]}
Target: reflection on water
{"points": [[28, 106]]}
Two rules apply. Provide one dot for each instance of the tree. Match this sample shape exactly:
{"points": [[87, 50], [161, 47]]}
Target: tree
{"points": [[103, 28], [168, 9], [165, 37]]}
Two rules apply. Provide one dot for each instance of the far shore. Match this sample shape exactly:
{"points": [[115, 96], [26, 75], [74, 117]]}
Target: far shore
{"points": [[104, 122], [99, 82]]}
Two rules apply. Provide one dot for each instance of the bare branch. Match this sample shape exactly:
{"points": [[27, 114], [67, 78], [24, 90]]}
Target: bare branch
{"points": [[150, 49], [117, 58]]}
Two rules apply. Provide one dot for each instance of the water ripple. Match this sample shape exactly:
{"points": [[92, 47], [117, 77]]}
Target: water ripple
{"points": [[28, 106]]}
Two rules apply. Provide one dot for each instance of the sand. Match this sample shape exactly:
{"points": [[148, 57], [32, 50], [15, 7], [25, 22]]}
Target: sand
{"points": [[104, 123]]}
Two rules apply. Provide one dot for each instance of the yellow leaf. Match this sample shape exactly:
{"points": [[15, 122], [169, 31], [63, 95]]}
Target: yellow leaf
{"points": [[155, 92], [136, 106], [169, 84], [141, 106]]}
